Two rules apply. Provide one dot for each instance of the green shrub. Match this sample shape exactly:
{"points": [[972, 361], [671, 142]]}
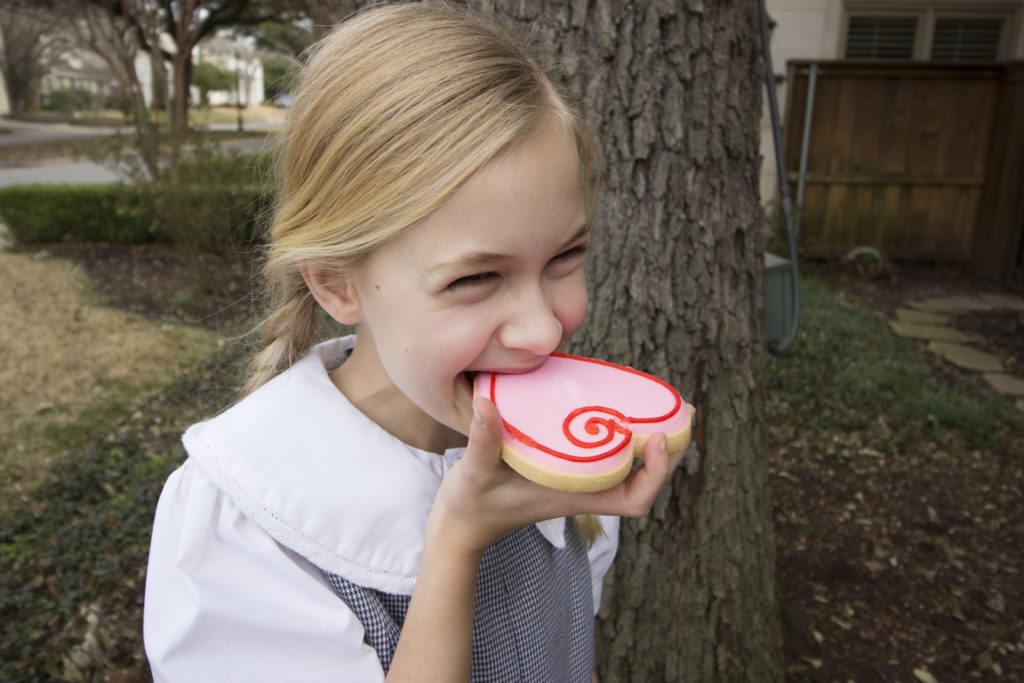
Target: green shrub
{"points": [[68, 99], [90, 213], [207, 217], [207, 76]]}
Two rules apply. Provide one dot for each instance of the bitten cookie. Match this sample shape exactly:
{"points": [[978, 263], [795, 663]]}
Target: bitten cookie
{"points": [[575, 424]]}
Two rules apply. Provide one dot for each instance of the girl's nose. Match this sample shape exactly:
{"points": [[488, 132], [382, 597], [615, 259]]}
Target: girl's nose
{"points": [[532, 326]]}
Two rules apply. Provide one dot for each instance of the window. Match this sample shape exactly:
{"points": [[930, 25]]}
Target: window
{"points": [[881, 38], [926, 31], [963, 39]]}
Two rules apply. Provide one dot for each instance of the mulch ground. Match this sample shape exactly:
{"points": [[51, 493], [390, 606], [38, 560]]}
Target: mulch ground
{"points": [[893, 566], [161, 282], [906, 565]]}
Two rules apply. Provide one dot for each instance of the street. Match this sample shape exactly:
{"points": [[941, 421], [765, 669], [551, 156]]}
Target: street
{"points": [[57, 171]]}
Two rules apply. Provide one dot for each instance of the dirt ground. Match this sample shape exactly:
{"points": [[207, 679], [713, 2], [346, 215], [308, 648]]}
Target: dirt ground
{"points": [[904, 566], [892, 566]]}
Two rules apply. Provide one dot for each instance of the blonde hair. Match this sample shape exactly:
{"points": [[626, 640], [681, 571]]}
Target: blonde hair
{"points": [[397, 108]]}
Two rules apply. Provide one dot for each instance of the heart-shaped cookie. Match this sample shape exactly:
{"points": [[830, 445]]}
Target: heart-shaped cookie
{"points": [[575, 424]]}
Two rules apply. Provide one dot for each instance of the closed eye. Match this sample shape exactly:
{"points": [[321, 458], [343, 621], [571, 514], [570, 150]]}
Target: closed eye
{"points": [[578, 250], [469, 280]]}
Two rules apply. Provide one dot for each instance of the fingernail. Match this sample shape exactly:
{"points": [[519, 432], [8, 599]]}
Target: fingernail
{"points": [[476, 414], [664, 445]]}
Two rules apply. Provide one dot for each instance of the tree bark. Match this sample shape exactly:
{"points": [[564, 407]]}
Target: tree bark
{"points": [[673, 89]]}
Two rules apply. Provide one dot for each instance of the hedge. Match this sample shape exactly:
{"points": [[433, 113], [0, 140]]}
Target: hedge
{"points": [[207, 217], [90, 213]]}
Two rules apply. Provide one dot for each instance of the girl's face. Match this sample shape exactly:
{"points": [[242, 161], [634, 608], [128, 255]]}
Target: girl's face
{"points": [[493, 280]]}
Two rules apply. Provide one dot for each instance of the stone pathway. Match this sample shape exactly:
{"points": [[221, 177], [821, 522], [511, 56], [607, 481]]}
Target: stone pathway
{"points": [[930, 319]]}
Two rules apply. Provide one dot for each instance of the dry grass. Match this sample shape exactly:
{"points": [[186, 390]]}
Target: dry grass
{"points": [[62, 351]]}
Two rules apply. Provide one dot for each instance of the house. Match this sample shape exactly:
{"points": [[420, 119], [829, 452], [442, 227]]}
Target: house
{"points": [[237, 57], [83, 71], [892, 30], [80, 69], [901, 128]]}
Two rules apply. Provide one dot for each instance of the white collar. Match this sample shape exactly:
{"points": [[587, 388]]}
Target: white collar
{"points": [[323, 479]]}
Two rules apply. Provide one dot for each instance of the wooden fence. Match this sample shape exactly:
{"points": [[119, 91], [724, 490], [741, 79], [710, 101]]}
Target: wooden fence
{"points": [[917, 160]]}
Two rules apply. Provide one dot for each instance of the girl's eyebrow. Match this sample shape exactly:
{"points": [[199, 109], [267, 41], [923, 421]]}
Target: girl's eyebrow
{"points": [[473, 259], [583, 231]]}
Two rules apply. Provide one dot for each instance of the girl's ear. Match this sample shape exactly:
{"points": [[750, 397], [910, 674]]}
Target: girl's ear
{"points": [[336, 294]]}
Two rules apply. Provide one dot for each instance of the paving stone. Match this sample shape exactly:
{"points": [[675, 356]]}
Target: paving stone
{"points": [[951, 304], [1005, 384], [966, 357], [930, 332], [1004, 301], [915, 317]]}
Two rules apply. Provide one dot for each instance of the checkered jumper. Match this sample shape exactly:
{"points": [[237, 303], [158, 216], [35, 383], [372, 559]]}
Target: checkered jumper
{"points": [[534, 616]]}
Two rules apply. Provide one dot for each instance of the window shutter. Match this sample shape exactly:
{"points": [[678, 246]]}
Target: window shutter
{"points": [[881, 37], [963, 39]]}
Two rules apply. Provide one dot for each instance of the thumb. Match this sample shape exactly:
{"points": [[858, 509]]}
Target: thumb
{"points": [[485, 429]]}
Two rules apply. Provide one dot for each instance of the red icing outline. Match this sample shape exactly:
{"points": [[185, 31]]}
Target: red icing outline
{"points": [[594, 424]]}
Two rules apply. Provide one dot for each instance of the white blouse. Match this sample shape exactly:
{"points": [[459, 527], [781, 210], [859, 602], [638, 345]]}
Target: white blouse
{"points": [[291, 480]]}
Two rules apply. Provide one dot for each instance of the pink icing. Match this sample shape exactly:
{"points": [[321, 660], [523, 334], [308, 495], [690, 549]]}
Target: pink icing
{"points": [[576, 414]]}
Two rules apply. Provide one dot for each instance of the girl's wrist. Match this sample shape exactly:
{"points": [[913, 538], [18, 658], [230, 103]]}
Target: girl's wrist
{"points": [[459, 540]]}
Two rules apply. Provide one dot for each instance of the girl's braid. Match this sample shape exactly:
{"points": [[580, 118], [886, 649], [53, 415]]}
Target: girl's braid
{"points": [[291, 329]]}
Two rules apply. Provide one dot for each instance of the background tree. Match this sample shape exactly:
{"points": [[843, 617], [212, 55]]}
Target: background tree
{"points": [[299, 23], [115, 41], [207, 77], [323, 14], [288, 37], [279, 71], [673, 89], [186, 22], [28, 45]]}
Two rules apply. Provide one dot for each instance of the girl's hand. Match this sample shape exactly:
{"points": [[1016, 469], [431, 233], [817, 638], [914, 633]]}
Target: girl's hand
{"points": [[482, 498]]}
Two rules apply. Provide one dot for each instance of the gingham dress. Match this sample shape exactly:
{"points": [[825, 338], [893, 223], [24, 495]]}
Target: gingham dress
{"points": [[534, 612]]}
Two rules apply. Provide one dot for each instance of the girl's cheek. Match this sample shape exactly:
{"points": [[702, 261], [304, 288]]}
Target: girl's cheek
{"points": [[578, 310]]}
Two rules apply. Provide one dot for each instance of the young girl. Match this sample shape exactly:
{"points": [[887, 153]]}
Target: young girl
{"points": [[350, 518]]}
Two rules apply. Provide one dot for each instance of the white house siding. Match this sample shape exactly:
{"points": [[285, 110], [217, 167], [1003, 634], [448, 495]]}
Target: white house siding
{"points": [[144, 72], [804, 29]]}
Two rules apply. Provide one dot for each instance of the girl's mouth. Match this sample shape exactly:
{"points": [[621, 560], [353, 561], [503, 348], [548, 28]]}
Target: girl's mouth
{"points": [[470, 375]]}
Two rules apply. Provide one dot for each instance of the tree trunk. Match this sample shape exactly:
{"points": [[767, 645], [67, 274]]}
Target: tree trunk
{"points": [[181, 67], [673, 89]]}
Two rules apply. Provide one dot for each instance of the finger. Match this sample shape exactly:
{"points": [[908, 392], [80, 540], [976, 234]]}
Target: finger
{"points": [[484, 430], [643, 484], [656, 458]]}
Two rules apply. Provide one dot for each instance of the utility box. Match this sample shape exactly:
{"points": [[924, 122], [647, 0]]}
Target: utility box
{"points": [[778, 297]]}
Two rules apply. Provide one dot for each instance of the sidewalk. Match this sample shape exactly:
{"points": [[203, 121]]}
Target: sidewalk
{"points": [[57, 172], [25, 132]]}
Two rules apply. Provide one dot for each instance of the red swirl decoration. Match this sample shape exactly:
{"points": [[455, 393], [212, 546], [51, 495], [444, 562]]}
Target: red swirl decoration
{"points": [[601, 425]]}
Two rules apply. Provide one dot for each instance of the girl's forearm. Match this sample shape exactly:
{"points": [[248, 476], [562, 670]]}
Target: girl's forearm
{"points": [[436, 643]]}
